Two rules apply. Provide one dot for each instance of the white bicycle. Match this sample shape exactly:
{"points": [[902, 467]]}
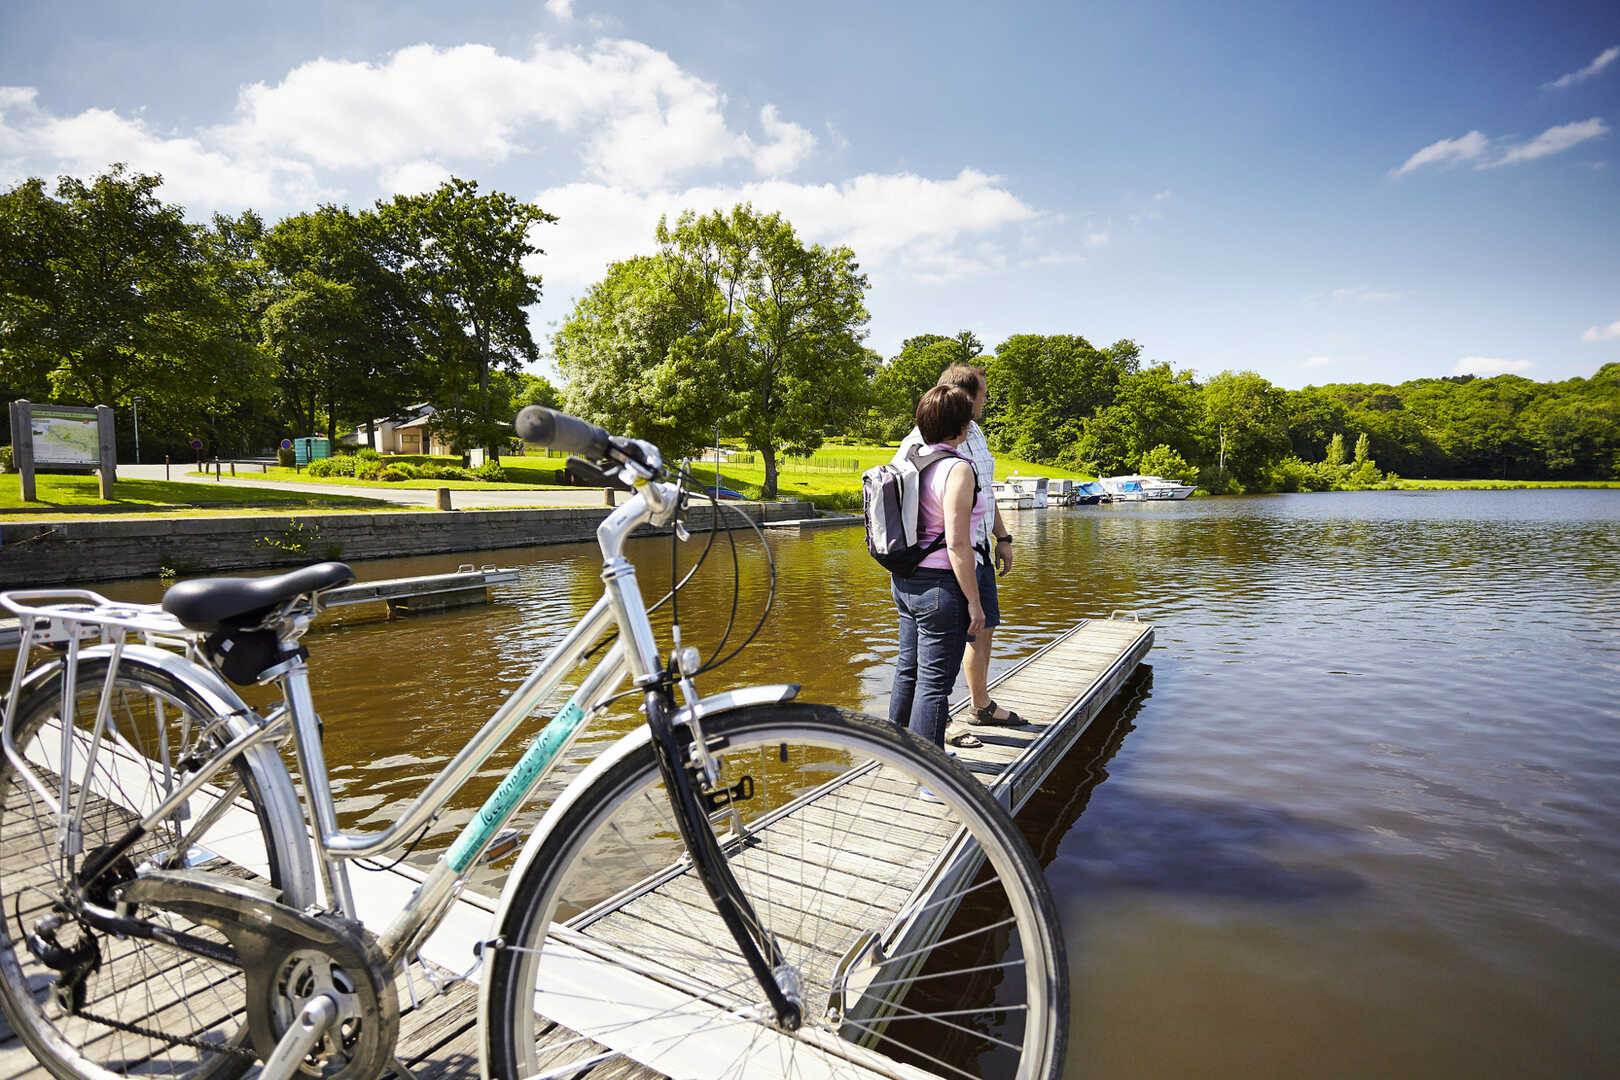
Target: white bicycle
{"points": [[746, 885]]}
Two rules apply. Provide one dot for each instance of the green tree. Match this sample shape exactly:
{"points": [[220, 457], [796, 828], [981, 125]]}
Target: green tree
{"points": [[104, 290], [1042, 388], [1243, 414], [1335, 450], [1164, 461], [631, 360], [339, 320], [464, 257], [778, 323]]}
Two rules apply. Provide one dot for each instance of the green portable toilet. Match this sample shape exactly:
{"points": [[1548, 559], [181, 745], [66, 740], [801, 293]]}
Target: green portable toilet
{"points": [[311, 447]]}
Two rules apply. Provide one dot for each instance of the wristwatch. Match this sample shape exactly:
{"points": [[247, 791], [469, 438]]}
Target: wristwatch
{"points": [[1004, 539]]}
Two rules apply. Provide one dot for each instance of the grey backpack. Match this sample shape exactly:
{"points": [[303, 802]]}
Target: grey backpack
{"points": [[890, 502]]}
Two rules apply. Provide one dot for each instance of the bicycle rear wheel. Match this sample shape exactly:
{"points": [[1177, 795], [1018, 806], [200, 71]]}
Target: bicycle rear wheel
{"points": [[127, 1005], [917, 928]]}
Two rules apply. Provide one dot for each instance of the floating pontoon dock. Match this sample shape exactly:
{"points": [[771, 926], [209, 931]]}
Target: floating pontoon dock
{"points": [[1058, 691]]}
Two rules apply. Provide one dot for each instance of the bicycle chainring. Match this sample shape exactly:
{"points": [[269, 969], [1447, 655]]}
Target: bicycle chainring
{"points": [[289, 956]]}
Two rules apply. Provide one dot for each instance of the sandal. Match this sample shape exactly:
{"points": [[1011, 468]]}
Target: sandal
{"points": [[986, 717], [965, 739]]}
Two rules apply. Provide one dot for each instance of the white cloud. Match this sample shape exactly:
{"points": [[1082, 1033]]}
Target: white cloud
{"points": [[1553, 141], [1469, 147], [1160, 196], [643, 118], [1603, 333], [633, 116], [1316, 361], [1604, 59], [414, 178], [1476, 148], [562, 9], [1485, 366], [789, 144], [932, 229], [196, 173]]}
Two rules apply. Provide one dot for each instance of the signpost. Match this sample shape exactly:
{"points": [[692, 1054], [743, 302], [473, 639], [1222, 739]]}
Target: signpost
{"points": [[63, 438]]}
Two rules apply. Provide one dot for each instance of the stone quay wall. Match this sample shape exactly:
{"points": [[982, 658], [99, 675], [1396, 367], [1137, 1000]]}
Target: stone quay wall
{"points": [[64, 552]]}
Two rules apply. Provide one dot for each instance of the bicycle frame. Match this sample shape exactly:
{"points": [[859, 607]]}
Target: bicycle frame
{"points": [[635, 655]]}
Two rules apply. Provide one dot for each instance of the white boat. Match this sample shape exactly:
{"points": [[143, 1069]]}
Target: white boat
{"points": [[1021, 492], [1138, 488]]}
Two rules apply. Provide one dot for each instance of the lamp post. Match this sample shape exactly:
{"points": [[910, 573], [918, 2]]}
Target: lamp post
{"points": [[135, 403]]}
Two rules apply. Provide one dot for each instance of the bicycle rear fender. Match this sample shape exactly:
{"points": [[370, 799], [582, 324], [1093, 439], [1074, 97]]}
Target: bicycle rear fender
{"points": [[269, 772], [729, 701]]}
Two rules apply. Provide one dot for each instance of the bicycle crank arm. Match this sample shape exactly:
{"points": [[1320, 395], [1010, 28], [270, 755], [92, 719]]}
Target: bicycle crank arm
{"points": [[307, 1029]]}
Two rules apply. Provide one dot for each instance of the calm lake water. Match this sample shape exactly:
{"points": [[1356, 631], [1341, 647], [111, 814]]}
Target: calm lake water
{"points": [[1359, 814]]}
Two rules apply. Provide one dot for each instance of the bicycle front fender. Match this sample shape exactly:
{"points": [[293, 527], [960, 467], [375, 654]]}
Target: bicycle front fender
{"points": [[713, 705]]}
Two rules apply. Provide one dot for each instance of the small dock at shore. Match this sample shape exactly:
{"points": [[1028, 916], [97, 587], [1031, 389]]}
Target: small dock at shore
{"points": [[1058, 691]]}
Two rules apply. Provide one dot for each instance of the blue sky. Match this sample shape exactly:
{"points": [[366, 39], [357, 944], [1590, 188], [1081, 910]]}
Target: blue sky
{"points": [[1367, 192]]}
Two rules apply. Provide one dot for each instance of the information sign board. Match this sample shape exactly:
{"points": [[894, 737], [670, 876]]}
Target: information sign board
{"points": [[65, 436]]}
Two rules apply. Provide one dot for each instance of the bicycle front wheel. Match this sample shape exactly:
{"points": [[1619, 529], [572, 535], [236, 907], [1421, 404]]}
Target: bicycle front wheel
{"points": [[916, 928], [93, 1004]]}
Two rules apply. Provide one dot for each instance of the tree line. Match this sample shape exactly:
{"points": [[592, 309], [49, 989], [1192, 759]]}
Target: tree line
{"points": [[1057, 399], [239, 333], [730, 326]]}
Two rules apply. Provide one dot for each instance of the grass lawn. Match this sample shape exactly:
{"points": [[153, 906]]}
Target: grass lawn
{"points": [[831, 478], [81, 494], [1499, 485]]}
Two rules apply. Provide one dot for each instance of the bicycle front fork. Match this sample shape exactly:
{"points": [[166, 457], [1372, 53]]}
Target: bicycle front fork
{"points": [[758, 945]]}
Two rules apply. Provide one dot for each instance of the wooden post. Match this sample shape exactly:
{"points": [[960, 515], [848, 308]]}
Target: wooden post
{"points": [[444, 498], [22, 447], [108, 451]]}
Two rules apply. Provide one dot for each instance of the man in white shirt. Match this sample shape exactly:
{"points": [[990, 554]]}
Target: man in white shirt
{"points": [[993, 538]]}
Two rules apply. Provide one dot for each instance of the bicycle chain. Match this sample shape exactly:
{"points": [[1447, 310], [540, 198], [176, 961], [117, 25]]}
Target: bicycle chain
{"points": [[173, 1040]]}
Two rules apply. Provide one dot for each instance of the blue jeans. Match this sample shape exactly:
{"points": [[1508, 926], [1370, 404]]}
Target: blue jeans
{"points": [[933, 633]]}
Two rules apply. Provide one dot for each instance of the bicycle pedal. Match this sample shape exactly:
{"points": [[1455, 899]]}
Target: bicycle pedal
{"points": [[505, 842]]}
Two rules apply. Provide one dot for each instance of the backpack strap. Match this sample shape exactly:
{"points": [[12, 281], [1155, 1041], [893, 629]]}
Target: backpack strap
{"points": [[923, 459]]}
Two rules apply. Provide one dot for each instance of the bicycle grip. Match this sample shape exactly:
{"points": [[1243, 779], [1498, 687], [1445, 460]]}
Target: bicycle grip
{"points": [[548, 427]]}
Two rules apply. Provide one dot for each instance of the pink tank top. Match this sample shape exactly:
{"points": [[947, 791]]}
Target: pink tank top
{"points": [[931, 506]]}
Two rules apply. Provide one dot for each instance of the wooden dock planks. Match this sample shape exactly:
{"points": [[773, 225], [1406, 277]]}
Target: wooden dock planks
{"points": [[1057, 691]]}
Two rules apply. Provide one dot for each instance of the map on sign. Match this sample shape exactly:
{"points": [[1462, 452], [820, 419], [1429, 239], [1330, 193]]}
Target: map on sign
{"points": [[64, 437]]}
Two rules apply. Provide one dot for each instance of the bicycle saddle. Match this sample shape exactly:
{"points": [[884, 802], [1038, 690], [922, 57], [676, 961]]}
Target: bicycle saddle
{"points": [[210, 603]]}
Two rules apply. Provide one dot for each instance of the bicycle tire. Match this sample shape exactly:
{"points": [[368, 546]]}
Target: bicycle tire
{"points": [[821, 872], [141, 983]]}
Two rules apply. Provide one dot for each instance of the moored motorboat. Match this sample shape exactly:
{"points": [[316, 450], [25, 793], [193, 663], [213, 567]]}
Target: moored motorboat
{"points": [[1140, 488]]}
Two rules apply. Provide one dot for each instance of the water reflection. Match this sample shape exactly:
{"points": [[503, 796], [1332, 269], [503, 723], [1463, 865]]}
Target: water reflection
{"points": [[1364, 821]]}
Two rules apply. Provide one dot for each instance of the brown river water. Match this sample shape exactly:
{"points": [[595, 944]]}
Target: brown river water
{"points": [[1358, 814]]}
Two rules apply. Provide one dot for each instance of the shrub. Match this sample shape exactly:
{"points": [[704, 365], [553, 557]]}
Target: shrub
{"points": [[411, 471], [5, 459], [338, 465], [453, 472], [369, 468], [366, 453], [286, 457], [491, 471], [394, 474]]}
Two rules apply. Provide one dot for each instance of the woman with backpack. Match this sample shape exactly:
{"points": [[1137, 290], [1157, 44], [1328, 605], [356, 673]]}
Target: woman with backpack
{"points": [[939, 602]]}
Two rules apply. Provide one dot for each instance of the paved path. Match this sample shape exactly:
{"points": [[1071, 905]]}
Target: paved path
{"points": [[460, 498]]}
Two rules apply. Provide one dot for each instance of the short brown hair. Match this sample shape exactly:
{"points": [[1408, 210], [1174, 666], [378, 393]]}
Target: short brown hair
{"points": [[968, 378], [943, 413]]}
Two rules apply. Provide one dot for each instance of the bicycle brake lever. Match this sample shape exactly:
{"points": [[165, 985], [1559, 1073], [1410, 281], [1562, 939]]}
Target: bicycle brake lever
{"points": [[594, 475]]}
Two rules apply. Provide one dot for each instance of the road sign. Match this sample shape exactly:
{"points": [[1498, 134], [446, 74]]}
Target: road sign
{"points": [[196, 444], [286, 444]]}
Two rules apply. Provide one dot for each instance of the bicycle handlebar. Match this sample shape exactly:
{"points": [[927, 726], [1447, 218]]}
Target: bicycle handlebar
{"points": [[558, 430]]}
